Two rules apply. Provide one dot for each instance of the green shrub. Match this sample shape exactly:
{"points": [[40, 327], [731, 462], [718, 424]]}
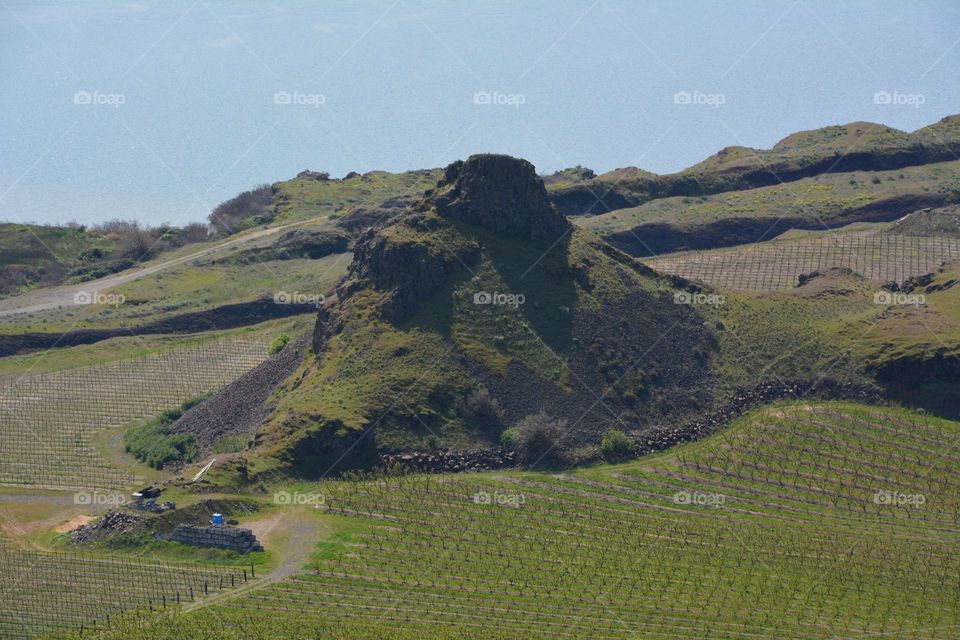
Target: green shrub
{"points": [[616, 446], [509, 438], [279, 343], [153, 443]]}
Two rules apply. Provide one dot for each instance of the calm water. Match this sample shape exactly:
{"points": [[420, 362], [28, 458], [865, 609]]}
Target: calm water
{"points": [[158, 110]]}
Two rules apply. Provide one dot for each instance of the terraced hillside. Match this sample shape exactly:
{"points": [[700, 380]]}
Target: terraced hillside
{"points": [[755, 215], [196, 288], [48, 421], [857, 146], [800, 522], [778, 264]]}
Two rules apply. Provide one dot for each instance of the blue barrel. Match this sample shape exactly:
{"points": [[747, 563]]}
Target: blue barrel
{"points": [[217, 519]]}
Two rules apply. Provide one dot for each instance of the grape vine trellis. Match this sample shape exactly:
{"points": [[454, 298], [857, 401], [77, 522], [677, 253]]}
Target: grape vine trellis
{"points": [[48, 420], [799, 547], [45, 594], [778, 264]]}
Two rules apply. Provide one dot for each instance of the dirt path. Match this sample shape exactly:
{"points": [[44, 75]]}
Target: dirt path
{"points": [[295, 533], [63, 296]]}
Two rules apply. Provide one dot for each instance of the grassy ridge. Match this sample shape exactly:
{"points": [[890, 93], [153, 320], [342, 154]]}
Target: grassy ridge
{"points": [[188, 288], [858, 146], [823, 200], [307, 197]]}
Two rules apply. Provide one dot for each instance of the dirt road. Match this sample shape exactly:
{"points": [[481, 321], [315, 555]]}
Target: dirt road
{"points": [[63, 296], [296, 533]]}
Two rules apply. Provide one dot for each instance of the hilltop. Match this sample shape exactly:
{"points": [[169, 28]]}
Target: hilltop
{"points": [[482, 290], [858, 146]]}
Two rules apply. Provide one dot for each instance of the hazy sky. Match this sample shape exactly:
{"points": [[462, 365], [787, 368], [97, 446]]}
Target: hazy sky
{"points": [[158, 110]]}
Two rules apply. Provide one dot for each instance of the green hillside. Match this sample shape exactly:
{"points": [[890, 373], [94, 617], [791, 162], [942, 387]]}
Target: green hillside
{"points": [[739, 217], [800, 521], [858, 146]]}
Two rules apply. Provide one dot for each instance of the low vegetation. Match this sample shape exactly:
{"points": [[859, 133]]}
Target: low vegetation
{"points": [[740, 217], [249, 208], [153, 443], [854, 147]]}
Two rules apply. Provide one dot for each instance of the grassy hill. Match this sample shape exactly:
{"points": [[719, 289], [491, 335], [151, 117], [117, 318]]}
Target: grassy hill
{"points": [[739, 217], [195, 287], [942, 221], [354, 201], [858, 146], [834, 326], [484, 288]]}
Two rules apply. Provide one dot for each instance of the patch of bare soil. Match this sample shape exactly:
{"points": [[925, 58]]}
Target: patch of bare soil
{"points": [[73, 523]]}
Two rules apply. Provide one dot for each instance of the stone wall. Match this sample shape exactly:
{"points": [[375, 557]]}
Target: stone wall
{"points": [[241, 540]]}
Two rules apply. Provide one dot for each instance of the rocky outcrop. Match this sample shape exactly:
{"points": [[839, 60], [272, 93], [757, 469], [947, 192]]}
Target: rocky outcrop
{"points": [[410, 258], [502, 194], [450, 461], [408, 269]]}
